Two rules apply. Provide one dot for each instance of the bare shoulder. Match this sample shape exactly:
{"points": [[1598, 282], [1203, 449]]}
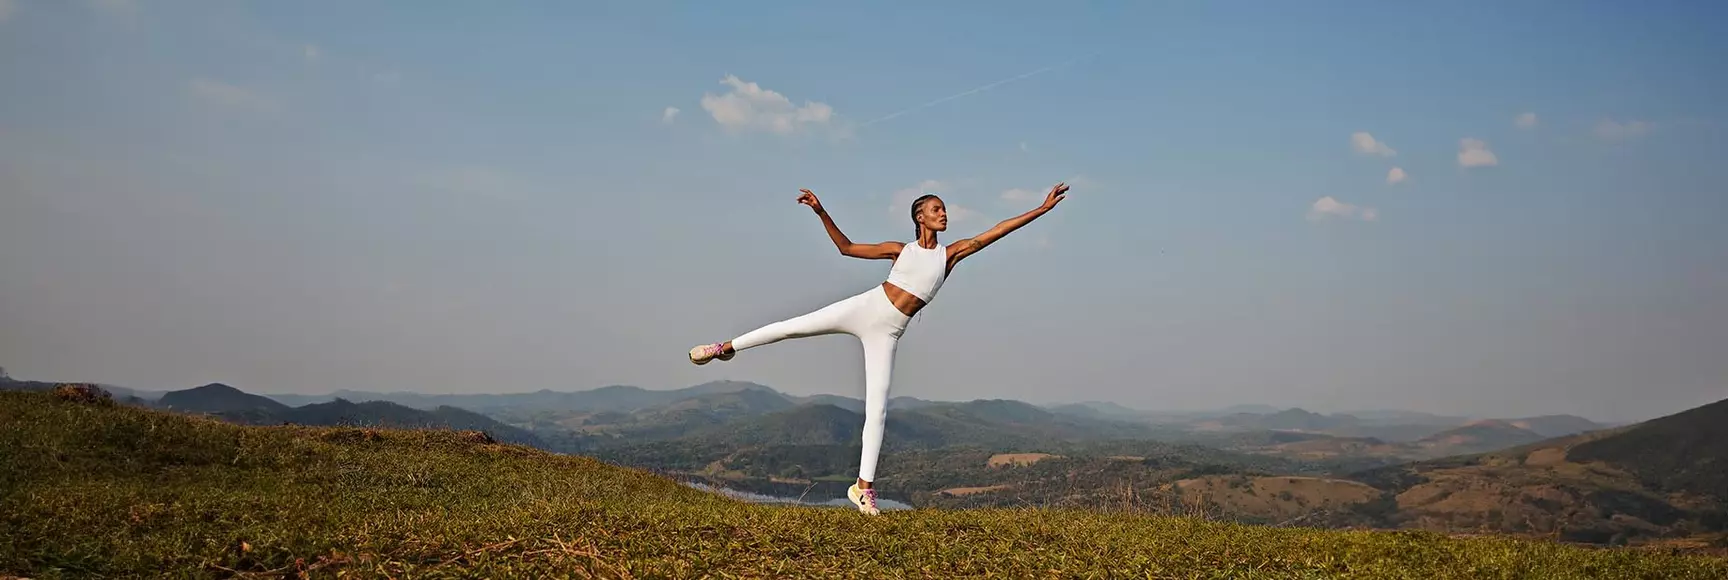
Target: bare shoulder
{"points": [[889, 250]]}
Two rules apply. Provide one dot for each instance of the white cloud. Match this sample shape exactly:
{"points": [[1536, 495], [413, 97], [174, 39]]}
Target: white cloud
{"points": [[1024, 148], [227, 95], [1611, 130], [1475, 153], [1396, 175], [1023, 195], [1327, 207], [748, 107], [1525, 121], [1020, 195], [6, 8], [311, 52], [1365, 143], [668, 115]]}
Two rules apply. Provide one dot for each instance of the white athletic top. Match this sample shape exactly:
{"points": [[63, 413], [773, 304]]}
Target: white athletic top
{"points": [[920, 271]]}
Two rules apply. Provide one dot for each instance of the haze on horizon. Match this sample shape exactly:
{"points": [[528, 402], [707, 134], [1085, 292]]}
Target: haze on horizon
{"points": [[1481, 208]]}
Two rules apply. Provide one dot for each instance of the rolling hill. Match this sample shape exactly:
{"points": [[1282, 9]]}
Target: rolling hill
{"points": [[1556, 425], [218, 398], [1477, 437], [341, 412], [102, 490], [1658, 481], [1661, 478], [1683, 453]]}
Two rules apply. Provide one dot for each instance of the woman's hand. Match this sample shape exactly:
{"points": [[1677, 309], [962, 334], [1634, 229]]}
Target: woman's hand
{"points": [[1057, 194], [809, 199]]}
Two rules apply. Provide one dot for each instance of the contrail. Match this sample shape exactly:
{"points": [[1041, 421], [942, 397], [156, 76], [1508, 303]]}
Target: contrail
{"points": [[968, 92]]}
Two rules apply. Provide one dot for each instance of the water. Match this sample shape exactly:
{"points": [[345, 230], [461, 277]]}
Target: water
{"points": [[881, 503]]}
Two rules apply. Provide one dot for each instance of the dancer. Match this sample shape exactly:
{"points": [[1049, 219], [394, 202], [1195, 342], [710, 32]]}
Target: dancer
{"points": [[878, 316]]}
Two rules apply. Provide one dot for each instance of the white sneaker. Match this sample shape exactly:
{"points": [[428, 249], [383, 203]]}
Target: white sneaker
{"points": [[865, 499], [701, 354]]}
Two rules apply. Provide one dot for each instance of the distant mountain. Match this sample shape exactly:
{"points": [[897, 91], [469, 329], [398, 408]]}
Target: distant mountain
{"points": [[381, 414], [847, 403], [1293, 419], [217, 398], [1557, 425], [985, 422], [1478, 437], [1254, 408], [1098, 409], [856, 405], [1402, 417], [616, 398]]}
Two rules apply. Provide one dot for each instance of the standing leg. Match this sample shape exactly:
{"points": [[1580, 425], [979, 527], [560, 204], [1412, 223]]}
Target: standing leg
{"points": [[830, 319], [879, 352]]}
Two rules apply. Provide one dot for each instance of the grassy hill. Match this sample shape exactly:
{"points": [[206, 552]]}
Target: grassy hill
{"points": [[106, 490], [1662, 478], [1686, 452]]}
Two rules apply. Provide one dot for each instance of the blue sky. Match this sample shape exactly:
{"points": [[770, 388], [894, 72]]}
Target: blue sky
{"points": [[300, 197]]}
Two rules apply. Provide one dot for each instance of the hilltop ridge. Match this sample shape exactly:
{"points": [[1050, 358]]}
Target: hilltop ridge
{"points": [[94, 488]]}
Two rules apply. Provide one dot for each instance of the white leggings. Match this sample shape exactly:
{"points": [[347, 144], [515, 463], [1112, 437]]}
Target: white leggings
{"points": [[872, 318]]}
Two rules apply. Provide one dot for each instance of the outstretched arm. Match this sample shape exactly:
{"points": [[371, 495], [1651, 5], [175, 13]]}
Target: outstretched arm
{"points": [[881, 251], [961, 249]]}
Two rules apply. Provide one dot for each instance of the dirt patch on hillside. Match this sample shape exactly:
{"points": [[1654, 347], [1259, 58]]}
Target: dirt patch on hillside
{"points": [[965, 491], [1546, 457], [1006, 459]]}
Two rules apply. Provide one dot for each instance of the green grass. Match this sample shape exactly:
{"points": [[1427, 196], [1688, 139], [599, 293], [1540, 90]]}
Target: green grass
{"points": [[104, 491]]}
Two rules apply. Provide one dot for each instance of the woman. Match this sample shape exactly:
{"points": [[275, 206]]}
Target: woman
{"points": [[878, 316]]}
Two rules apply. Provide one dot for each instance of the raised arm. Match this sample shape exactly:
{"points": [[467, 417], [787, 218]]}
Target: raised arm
{"points": [[960, 249], [881, 251]]}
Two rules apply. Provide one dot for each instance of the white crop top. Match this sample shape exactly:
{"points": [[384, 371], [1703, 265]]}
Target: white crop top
{"points": [[920, 271]]}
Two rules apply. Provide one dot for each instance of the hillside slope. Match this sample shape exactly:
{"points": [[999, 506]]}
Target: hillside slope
{"points": [[106, 490], [1661, 478], [1686, 452]]}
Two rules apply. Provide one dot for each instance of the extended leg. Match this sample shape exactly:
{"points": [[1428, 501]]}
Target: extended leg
{"points": [[830, 319]]}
